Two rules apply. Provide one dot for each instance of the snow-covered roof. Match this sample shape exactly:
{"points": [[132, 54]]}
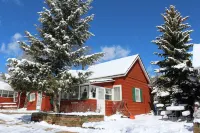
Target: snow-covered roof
{"points": [[112, 68], [101, 80], [5, 86], [115, 68]]}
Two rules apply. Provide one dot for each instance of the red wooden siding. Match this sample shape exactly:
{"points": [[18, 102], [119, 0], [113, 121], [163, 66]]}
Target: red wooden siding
{"points": [[109, 108], [137, 73], [136, 79], [46, 105], [21, 99], [5, 100], [78, 105], [32, 105]]}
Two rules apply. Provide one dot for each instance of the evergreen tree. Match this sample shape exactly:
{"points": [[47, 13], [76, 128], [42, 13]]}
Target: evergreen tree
{"points": [[59, 47], [177, 75]]}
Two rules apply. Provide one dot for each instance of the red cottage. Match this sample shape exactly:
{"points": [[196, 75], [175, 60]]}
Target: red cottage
{"points": [[117, 85]]}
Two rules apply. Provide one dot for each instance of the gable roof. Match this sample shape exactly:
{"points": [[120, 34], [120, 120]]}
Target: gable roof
{"points": [[115, 68], [104, 72]]}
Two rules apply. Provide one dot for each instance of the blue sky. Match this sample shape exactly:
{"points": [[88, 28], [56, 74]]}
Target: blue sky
{"points": [[121, 27]]}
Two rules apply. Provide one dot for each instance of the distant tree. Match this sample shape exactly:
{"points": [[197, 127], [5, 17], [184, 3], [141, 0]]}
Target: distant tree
{"points": [[59, 47], [177, 76]]}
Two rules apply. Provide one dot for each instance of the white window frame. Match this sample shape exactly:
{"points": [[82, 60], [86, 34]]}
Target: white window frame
{"points": [[32, 97], [15, 97], [4, 93], [109, 94], [139, 90], [9, 94], [120, 86], [90, 93]]}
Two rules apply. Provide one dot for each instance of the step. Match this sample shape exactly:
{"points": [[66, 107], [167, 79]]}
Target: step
{"points": [[7, 103]]}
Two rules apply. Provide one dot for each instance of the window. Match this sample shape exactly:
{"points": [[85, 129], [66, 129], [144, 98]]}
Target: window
{"points": [[137, 95], [15, 97], [108, 95], [1, 93], [65, 95], [117, 93], [5, 93], [31, 97], [10, 94], [73, 93], [84, 91], [92, 92]]}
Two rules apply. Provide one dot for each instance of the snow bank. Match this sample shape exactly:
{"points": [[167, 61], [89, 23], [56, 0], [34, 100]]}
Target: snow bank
{"points": [[112, 124], [163, 94], [79, 113], [22, 110], [159, 105], [165, 112], [176, 108], [186, 113]]}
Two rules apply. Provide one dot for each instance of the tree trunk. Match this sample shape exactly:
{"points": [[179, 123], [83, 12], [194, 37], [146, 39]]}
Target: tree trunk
{"points": [[56, 102]]}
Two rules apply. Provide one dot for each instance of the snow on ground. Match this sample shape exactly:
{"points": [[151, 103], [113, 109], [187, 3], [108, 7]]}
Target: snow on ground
{"points": [[80, 113], [20, 123], [21, 110]]}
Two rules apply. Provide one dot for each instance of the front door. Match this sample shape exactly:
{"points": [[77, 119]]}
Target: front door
{"points": [[39, 101], [101, 100]]}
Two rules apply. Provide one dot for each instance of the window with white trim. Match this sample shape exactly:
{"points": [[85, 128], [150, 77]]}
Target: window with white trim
{"points": [[31, 97], [92, 92], [73, 93], [11, 94], [5, 93], [137, 95], [84, 89], [108, 94], [117, 92]]}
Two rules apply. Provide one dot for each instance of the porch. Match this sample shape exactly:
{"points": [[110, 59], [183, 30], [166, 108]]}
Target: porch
{"points": [[89, 97]]}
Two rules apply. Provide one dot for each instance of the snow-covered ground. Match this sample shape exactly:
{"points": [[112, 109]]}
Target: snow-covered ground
{"points": [[21, 110], [20, 123]]}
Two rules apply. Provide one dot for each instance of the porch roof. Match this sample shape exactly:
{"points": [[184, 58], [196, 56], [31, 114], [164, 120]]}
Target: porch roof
{"points": [[103, 80], [5, 86]]}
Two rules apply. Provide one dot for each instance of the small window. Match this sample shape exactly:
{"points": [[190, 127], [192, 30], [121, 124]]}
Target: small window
{"points": [[1, 93], [117, 93], [31, 97], [73, 93], [108, 94], [92, 92], [5, 93], [11, 93], [65, 95], [137, 95], [84, 91]]}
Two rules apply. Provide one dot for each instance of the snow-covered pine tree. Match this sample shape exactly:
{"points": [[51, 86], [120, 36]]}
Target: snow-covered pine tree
{"points": [[59, 47], [177, 76]]}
